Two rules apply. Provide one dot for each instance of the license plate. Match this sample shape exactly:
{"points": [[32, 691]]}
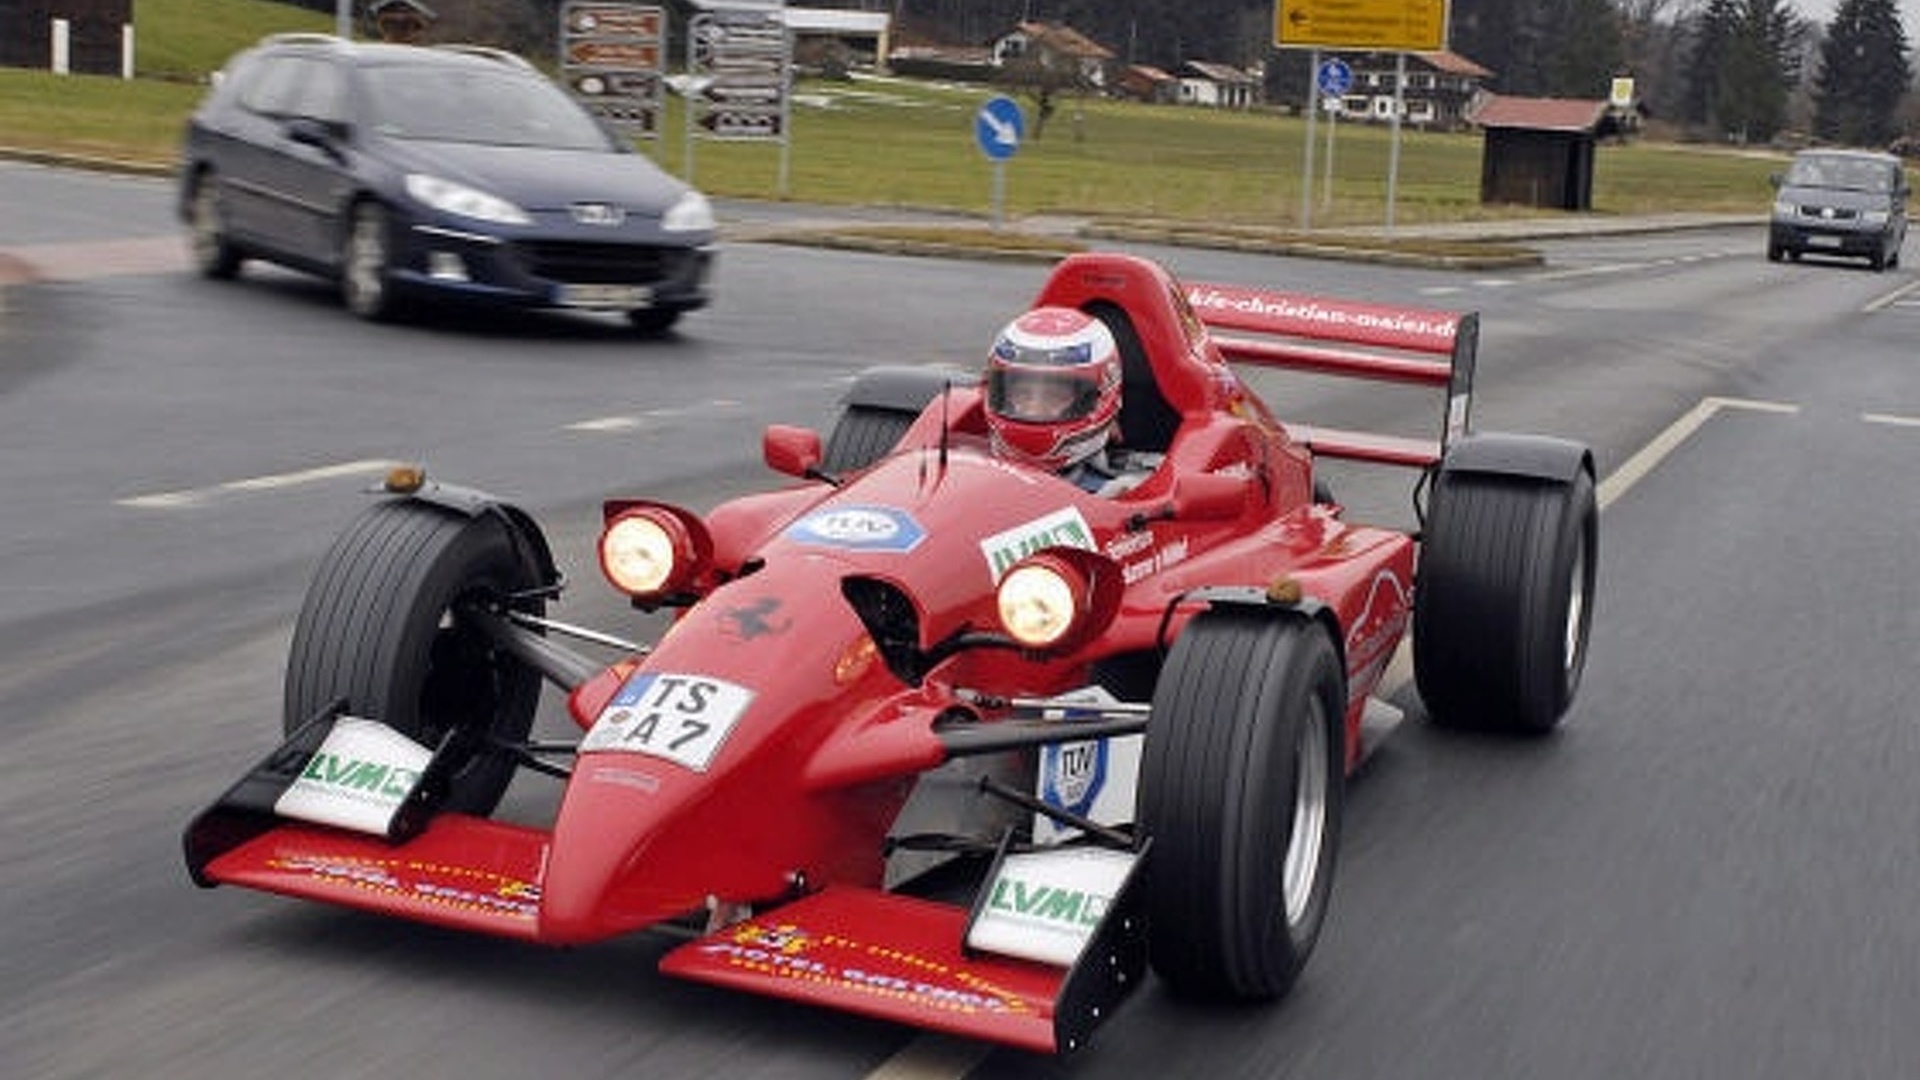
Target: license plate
{"points": [[617, 297], [1823, 241]]}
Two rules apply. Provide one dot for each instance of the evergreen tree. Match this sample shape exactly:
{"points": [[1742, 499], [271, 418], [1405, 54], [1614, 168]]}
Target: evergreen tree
{"points": [[1744, 63], [1864, 72], [1589, 49]]}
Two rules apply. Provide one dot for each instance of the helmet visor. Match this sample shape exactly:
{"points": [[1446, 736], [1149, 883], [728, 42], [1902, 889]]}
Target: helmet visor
{"points": [[1040, 396]]}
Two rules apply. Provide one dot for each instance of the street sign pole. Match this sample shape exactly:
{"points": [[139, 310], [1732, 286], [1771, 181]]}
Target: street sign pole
{"points": [[1306, 165], [998, 128], [1333, 121], [1393, 153]]}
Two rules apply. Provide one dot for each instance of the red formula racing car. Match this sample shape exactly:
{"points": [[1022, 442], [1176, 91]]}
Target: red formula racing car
{"points": [[1126, 721]]}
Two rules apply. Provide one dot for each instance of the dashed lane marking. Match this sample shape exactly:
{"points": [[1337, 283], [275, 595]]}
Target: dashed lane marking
{"points": [[605, 425], [191, 497], [1891, 420]]}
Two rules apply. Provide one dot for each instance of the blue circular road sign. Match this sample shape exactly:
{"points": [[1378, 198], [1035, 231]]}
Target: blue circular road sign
{"points": [[1334, 78], [998, 127]]}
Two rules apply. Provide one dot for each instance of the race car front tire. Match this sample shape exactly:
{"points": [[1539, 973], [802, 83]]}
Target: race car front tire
{"points": [[1240, 798], [1503, 604], [381, 628]]}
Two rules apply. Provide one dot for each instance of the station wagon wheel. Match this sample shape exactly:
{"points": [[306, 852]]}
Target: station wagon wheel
{"points": [[1504, 602], [382, 627], [1241, 793], [213, 256], [366, 263]]}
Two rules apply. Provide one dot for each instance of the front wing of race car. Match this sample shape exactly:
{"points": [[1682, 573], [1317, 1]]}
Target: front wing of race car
{"points": [[343, 813]]}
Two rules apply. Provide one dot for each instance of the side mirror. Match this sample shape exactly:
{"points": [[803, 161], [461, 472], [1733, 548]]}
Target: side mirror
{"points": [[792, 451], [306, 129], [1209, 497], [1776, 179]]}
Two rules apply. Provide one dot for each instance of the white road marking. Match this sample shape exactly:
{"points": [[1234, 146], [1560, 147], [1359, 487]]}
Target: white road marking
{"points": [[1643, 462], [1891, 420], [174, 500], [618, 424], [1897, 296]]}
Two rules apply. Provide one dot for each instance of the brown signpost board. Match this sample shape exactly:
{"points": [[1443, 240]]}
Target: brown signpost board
{"points": [[611, 58]]}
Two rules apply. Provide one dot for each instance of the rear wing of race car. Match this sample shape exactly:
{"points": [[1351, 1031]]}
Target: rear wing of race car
{"points": [[1413, 346]]}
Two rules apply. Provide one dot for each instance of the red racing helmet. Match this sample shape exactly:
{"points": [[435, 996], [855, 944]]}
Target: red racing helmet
{"points": [[1053, 388]]}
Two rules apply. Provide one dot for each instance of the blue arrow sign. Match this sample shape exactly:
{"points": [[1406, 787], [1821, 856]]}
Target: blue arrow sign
{"points": [[998, 127], [1334, 78]]}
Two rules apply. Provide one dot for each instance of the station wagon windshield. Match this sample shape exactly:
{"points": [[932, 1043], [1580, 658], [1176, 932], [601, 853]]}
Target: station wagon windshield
{"points": [[465, 106]]}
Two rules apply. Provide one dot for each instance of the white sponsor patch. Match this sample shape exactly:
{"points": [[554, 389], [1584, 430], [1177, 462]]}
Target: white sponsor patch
{"points": [[1062, 528], [358, 779]]}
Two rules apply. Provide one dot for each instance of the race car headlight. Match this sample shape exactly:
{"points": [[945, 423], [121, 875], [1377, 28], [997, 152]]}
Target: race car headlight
{"points": [[1041, 601], [459, 199], [646, 553], [693, 213]]}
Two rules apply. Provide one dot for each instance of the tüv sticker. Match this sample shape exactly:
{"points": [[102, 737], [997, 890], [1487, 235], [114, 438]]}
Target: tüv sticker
{"points": [[859, 528], [1072, 774]]}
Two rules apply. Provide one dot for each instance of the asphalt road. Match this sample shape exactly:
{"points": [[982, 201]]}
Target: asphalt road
{"points": [[1710, 872]]}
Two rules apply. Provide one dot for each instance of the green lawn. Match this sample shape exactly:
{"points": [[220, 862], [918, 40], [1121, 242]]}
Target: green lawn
{"points": [[894, 142]]}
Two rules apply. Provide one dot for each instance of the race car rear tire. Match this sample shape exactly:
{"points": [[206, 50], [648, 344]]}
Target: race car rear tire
{"points": [[1241, 791], [1503, 605], [381, 629], [862, 436]]}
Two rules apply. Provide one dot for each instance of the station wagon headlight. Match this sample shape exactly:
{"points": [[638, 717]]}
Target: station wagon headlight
{"points": [[1783, 208], [1875, 218], [449, 197], [693, 213]]}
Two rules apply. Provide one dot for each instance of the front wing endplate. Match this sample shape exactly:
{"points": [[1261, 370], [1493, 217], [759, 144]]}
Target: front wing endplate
{"points": [[900, 958]]}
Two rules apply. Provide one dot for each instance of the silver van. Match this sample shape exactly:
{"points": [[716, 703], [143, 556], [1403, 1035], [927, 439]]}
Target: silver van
{"points": [[1850, 203]]}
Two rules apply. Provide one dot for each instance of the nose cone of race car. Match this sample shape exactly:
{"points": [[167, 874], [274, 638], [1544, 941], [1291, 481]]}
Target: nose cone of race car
{"points": [[692, 781], [609, 863]]}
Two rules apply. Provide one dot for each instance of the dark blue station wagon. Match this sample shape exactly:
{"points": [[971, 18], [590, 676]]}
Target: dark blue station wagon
{"points": [[455, 170]]}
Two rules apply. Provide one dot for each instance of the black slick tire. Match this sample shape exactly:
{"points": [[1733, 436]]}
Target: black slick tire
{"points": [[381, 628], [1503, 603], [863, 435], [1241, 792]]}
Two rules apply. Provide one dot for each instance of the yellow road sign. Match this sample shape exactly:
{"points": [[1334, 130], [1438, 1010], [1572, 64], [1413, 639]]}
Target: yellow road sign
{"points": [[1393, 25]]}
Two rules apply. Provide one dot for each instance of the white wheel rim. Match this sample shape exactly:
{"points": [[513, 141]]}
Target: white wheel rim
{"points": [[366, 260], [206, 224], [1576, 607], [1301, 870]]}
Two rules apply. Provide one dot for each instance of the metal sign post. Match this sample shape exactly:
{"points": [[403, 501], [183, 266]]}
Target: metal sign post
{"points": [[739, 65], [1306, 157], [1331, 80], [998, 127], [1398, 26]]}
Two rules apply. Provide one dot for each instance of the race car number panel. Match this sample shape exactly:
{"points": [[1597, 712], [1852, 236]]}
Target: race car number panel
{"points": [[682, 718]]}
